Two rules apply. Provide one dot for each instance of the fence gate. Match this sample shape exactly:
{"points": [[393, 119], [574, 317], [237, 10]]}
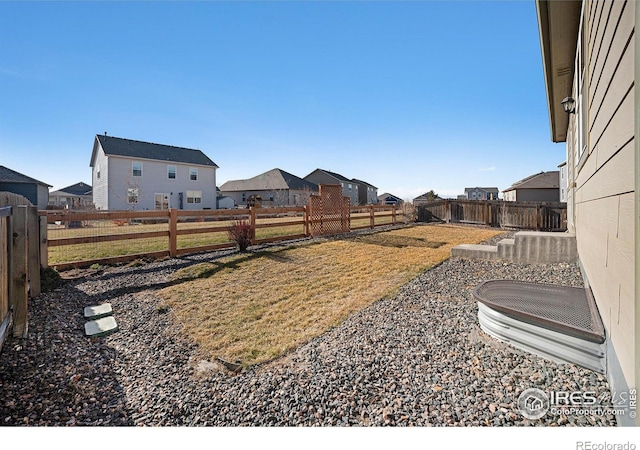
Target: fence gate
{"points": [[329, 211]]}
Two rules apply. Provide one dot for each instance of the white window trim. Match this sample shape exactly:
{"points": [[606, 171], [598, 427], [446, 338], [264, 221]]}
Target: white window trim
{"points": [[175, 172], [132, 192], [196, 170], [195, 197], [133, 171]]}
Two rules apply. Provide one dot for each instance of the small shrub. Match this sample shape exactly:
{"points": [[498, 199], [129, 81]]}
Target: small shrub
{"points": [[49, 279], [241, 233]]}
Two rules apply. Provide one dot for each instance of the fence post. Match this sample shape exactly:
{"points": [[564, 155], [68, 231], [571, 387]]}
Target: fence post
{"points": [[33, 249], [173, 232], [538, 217], [252, 223], [44, 248], [447, 211], [307, 230], [372, 220], [393, 214], [18, 286]]}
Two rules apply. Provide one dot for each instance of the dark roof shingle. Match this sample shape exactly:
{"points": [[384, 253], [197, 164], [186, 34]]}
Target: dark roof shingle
{"points": [[147, 150], [11, 176]]}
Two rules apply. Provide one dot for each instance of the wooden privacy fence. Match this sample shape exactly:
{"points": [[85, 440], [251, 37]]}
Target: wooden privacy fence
{"points": [[20, 240], [82, 239], [544, 216]]}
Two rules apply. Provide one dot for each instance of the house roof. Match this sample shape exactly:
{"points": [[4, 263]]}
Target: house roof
{"points": [[542, 180], [274, 179], [76, 189], [337, 176], [558, 24], [486, 189], [11, 176], [116, 146], [355, 180], [386, 194]]}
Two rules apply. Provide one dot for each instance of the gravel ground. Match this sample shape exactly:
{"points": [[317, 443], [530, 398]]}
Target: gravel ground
{"points": [[417, 358]]}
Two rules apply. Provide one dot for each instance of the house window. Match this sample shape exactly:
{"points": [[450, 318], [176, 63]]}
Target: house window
{"points": [[194, 196], [136, 169], [132, 195], [162, 201], [193, 173], [98, 171], [350, 186], [171, 172], [244, 197]]}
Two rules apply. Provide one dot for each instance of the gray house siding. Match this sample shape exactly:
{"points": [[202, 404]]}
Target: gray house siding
{"points": [[154, 180], [37, 194], [536, 195], [99, 181]]}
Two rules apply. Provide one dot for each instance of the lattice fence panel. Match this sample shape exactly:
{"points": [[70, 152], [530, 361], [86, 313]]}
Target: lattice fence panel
{"points": [[329, 211]]}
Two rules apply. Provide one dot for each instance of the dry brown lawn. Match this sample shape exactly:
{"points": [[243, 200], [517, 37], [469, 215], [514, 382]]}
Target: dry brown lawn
{"points": [[257, 306]]}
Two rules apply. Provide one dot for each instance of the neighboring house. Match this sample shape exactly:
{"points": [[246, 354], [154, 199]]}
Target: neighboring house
{"points": [[389, 199], [273, 188], [563, 181], [77, 196], [426, 198], [349, 187], [224, 202], [588, 53], [33, 190], [130, 174], [481, 193], [367, 193], [540, 187]]}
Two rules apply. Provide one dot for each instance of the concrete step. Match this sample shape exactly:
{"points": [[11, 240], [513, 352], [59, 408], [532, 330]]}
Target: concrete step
{"points": [[506, 248], [527, 247], [98, 312], [475, 251], [101, 327], [545, 247]]}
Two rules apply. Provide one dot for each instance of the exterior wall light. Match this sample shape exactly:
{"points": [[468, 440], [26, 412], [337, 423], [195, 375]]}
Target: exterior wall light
{"points": [[569, 105]]}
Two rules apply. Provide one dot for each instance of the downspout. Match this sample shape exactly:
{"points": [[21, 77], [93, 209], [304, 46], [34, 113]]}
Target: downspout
{"points": [[636, 142]]}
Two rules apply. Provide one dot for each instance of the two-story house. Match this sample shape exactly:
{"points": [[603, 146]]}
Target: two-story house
{"points": [[367, 193], [539, 187], [481, 193], [129, 174], [274, 188], [349, 187]]}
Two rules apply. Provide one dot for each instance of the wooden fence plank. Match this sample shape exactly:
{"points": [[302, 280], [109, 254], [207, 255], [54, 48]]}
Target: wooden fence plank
{"points": [[18, 284], [33, 249]]}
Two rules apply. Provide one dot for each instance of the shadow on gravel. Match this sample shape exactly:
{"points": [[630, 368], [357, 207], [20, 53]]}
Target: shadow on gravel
{"points": [[57, 376]]}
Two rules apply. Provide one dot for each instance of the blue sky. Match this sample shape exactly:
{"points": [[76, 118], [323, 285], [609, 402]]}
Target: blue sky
{"points": [[409, 96]]}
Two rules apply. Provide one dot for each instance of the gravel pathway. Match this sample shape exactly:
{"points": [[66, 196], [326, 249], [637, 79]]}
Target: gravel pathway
{"points": [[417, 358]]}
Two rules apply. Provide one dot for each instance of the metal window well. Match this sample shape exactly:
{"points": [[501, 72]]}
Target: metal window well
{"points": [[559, 323]]}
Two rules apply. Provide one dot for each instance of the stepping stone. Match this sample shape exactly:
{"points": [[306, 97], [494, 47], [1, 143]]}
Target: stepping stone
{"points": [[98, 312], [101, 327]]}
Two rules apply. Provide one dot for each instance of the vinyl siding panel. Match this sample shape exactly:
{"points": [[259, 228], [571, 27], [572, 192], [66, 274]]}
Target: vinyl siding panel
{"points": [[100, 185], [605, 181], [154, 180]]}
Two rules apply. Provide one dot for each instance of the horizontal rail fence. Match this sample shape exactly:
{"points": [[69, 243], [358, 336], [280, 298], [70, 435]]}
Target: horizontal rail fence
{"points": [[545, 216], [372, 216], [84, 238]]}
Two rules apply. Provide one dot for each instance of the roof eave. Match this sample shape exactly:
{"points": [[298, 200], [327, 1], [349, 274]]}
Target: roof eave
{"points": [[558, 24]]}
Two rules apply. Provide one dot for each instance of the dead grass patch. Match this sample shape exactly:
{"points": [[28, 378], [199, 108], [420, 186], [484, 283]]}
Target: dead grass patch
{"points": [[257, 306]]}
